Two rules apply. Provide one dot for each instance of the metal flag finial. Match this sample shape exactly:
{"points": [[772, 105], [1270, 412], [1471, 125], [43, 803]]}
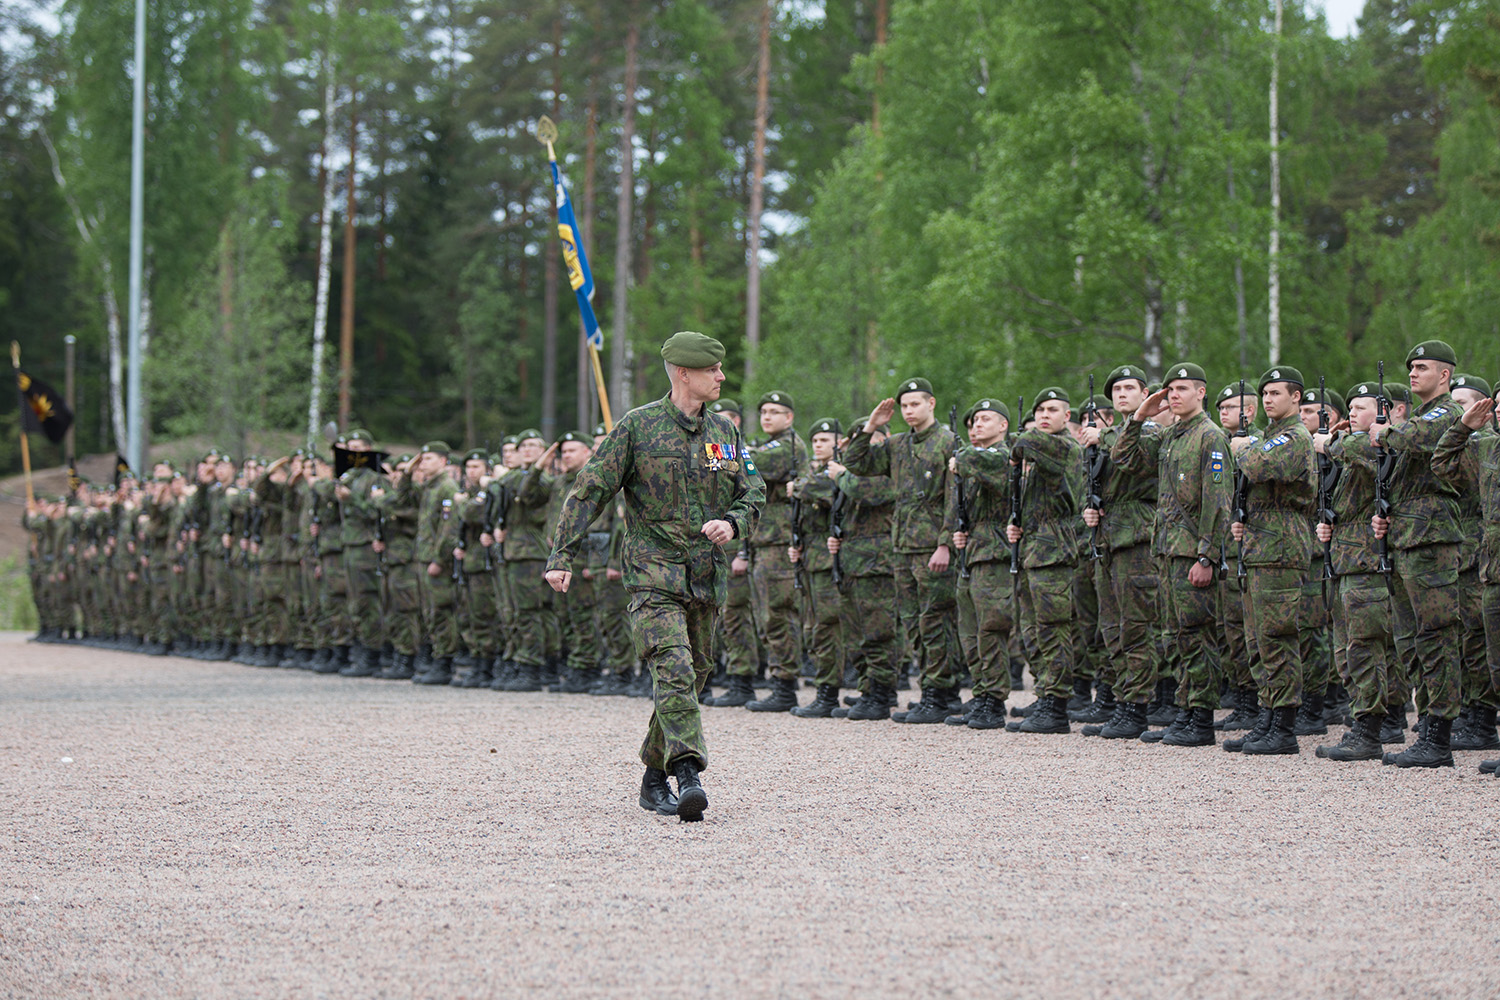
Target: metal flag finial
{"points": [[546, 134]]}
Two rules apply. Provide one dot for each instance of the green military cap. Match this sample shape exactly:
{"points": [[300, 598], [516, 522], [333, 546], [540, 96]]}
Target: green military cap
{"points": [[1333, 399], [1281, 373], [1432, 350], [359, 434], [1232, 391], [692, 350], [1471, 382], [1184, 369], [577, 437], [600, 430], [341, 440], [724, 406], [1099, 401], [210, 456], [435, 448], [917, 384], [777, 397], [1050, 394], [825, 425], [1153, 387], [1122, 373], [1362, 389], [987, 403], [405, 456], [476, 453], [528, 434], [510, 439], [1397, 392], [224, 456]]}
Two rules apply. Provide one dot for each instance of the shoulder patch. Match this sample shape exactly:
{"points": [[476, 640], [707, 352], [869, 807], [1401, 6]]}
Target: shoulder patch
{"points": [[1435, 414], [1275, 442]]}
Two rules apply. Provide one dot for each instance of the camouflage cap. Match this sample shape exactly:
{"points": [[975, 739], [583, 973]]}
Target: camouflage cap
{"points": [[1122, 373], [1432, 350], [577, 438], [1053, 393], [989, 403], [688, 349], [1281, 373], [917, 384], [778, 398], [724, 406], [825, 425], [1311, 397], [528, 434], [1184, 369], [435, 448], [1471, 382]]}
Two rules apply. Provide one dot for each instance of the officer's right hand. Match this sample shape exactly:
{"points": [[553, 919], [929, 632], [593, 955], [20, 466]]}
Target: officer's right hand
{"points": [[1091, 517], [960, 539], [739, 567], [558, 579], [377, 545], [1151, 406], [1380, 525], [1325, 532], [1237, 529]]}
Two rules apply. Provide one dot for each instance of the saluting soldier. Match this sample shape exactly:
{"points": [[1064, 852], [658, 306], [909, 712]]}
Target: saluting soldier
{"points": [[1319, 678], [814, 493]]}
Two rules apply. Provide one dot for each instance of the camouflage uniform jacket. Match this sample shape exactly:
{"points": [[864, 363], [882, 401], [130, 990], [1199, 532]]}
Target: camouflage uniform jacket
{"points": [[985, 474], [361, 517], [1354, 547], [473, 511], [1474, 458], [435, 523], [781, 460], [658, 457], [330, 518], [526, 535], [917, 463], [1282, 499], [1424, 508], [868, 503], [1129, 513], [401, 507], [1051, 490], [815, 490], [1190, 460], [272, 499]]}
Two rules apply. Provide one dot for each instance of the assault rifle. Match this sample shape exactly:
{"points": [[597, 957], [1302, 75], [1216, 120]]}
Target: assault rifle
{"points": [[1241, 496], [1015, 519], [798, 540], [1385, 465], [1328, 476], [836, 511], [1094, 464], [462, 546], [961, 503]]}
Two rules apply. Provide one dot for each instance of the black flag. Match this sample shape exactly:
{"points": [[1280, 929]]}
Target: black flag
{"points": [[345, 459], [42, 409]]}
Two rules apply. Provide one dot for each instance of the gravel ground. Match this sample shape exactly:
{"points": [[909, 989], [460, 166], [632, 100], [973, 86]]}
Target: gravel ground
{"points": [[173, 828]]}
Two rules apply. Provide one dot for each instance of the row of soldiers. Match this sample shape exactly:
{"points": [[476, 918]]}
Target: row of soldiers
{"points": [[1149, 563]]}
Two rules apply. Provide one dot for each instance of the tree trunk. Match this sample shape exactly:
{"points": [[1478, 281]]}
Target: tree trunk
{"points": [[619, 352], [1151, 345], [757, 191], [549, 273], [346, 309], [1242, 324], [1273, 277], [325, 260]]}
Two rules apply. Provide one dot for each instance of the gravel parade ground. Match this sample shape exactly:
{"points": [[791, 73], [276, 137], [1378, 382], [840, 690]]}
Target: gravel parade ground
{"points": [[181, 829]]}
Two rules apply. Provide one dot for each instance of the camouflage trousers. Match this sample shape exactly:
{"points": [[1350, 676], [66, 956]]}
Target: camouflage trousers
{"points": [[868, 610], [579, 607], [612, 611], [334, 628], [1273, 619], [1368, 649], [1239, 650], [439, 623], [1425, 617], [277, 582], [362, 587], [929, 612], [1047, 612], [530, 608], [1090, 656], [1193, 615], [478, 625], [826, 640], [1127, 584], [674, 636], [403, 606], [736, 630], [779, 604], [1478, 689], [1316, 640], [987, 600], [1490, 604]]}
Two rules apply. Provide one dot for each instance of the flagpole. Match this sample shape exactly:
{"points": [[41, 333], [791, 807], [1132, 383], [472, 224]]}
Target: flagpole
{"points": [[547, 134], [15, 364]]}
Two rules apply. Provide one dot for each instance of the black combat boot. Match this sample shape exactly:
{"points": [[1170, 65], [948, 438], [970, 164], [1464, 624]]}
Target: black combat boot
{"points": [[1128, 722], [1263, 724], [1393, 724], [1049, 715], [1017, 674], [874, 706], [822, 706], [551, 669], [1182, 718], [574, 681], [423, 662], [640, 684], [528, 677], [613, 683], [1163, 711], [1083, 695], [1101, 709], [1310, 716], [656, 793], [932, 709], [1432, 749], [400, 668], [1244, 715], [326, 662], [782, 697], [483, 672], [1489, 766], [989, 713], [1479, 734], [738, 692], [361, 662], [1361, 741], [1197, 731], [503, 673], [387, 656], [1280, 738], [691, 798]]}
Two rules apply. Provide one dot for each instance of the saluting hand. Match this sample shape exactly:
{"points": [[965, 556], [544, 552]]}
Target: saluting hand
{"points": [[1151, 406], [882, 414], [1477, 413]]}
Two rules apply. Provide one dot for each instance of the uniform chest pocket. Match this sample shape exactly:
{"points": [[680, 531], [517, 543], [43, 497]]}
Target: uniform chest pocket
{"points": [[659, 485]]}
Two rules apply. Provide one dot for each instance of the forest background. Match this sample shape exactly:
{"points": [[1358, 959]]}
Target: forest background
{"points": [[997, 195]]}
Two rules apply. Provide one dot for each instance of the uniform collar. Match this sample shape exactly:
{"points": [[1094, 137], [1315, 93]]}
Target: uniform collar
{"points": [[690, 424]]}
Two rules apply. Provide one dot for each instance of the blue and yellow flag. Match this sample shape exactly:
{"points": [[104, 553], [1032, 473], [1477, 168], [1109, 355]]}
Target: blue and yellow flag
{"points": [[579, 275]]}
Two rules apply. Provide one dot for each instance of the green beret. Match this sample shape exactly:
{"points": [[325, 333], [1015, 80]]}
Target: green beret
{"points": [[1124, 372], [402, 458], [1153, 387], [913, 385], [600, 430], [692, 350], [1232, 391], [988, 403], [1363, 389], [724, 406], [1432, 350], [1281, 373], [1099, 401], [435, 448], [1397, 392], [510, 439], [577, 438], [1471, 382], [1049, 394], [825, 425], [359, 434], [777, 397], [528, 434], [1310, 397], [1184, 369], [478, 453], [857, 423]]}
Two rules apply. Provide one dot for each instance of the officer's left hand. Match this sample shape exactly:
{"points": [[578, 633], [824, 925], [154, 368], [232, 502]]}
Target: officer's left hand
{"points": [[938, 563], [718, 532], [558, 579], [1013, 533], [1200, 575]]}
